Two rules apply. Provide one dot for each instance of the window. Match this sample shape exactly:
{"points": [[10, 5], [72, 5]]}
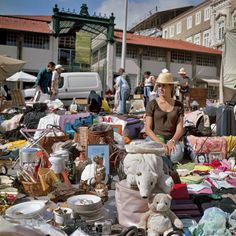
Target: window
{"points": [[95, 57], [66, 56], [11, 38], [172, 31], [103, 52], [207, 13], [32, 40], [67, 42], [179, 28], [205, 60], [181, 57], [152, 53], [165, 33], [189, 22], [197, 39], [189, 39], [221, 29], [206, 38], [198, 18], [234, 21], [131, 52], [118, 50]]}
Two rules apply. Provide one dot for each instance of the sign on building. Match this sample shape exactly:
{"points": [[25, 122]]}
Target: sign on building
{"points": [[83, 48]]}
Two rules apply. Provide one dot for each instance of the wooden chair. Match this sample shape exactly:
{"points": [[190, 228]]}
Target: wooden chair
{"points": [[18, 99]]}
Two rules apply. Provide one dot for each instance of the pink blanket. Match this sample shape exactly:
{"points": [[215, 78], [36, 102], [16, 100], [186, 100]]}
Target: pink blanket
{"points": [[208, 144]]}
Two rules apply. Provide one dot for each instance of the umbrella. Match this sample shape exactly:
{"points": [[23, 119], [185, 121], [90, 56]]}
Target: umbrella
{"points": [[22, 76], [9, 66]]}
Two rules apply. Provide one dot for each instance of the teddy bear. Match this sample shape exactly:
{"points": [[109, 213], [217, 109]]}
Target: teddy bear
{"points": [[159, 220], [145, 171]]}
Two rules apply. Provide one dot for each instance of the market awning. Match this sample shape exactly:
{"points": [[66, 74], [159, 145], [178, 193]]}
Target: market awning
{"points": [[211, 82]]}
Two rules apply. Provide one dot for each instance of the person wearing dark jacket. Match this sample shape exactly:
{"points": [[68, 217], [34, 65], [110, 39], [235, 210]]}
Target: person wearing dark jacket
{"points": [[43, 81], [95, 102]]}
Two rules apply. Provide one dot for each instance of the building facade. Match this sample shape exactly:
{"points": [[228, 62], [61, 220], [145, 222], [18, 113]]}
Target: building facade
{"points": [[191, 26], [153, 54], [155, 18], [28, 38], [223, 17], [205, 24]]}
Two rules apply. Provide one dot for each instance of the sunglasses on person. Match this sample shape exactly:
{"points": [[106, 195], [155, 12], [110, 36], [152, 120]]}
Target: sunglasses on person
{"points": [[162, 85]]}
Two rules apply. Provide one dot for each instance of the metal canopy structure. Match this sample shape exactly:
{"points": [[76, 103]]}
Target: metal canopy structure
{"points": [[66, 22]]}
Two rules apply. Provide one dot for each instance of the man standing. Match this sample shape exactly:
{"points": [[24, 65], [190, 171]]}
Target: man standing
{"points": [[124, 90], [184, 87], [55, 80], [43, 81]]}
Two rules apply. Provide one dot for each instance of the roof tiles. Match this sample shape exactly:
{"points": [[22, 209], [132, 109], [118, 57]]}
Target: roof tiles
{"points": [[16, 23], [165, 43]]}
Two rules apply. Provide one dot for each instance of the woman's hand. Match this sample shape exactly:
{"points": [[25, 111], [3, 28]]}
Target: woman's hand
{"points": [[171, 146], [166, 148]]}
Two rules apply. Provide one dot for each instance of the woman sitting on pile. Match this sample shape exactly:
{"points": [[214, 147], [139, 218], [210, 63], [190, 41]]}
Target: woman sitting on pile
{"points": [[164, 119]]}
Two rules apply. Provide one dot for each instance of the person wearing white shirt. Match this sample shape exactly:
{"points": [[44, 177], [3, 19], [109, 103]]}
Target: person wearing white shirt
{"points": [[55, 81]]}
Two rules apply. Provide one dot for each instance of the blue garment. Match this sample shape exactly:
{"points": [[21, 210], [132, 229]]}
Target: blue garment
{"points": [[43, 80], [124, 98], [147, 92]]}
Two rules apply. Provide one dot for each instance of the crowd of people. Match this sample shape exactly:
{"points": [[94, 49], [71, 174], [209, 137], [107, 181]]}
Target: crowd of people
{"points": [[148, 89]]}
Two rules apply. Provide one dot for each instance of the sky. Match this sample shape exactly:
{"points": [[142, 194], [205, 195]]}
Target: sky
{"points": [[137, 9]]}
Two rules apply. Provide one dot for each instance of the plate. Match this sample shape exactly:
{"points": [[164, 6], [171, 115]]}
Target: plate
{"points": [[26, 210], [84, 203]]}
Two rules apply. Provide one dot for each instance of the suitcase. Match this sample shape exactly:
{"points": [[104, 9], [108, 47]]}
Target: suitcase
{"points": [[225, 121]]}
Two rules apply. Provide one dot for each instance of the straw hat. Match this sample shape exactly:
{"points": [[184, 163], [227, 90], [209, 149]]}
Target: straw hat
{"points": [[182, 71], [165, 78]]}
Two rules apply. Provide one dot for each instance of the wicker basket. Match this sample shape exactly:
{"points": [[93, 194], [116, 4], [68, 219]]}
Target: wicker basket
{"points": [[33, 189], [47, 142], [83, 136], [99, 134]]}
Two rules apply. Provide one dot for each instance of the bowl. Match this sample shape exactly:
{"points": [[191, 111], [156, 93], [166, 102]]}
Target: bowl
{"points": [[84, 203]]}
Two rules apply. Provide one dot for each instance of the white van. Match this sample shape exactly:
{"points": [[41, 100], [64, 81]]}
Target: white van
{"points": [[74, 84]]}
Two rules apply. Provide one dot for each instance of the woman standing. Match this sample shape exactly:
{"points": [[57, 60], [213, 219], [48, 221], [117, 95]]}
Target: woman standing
{"points": [[164, 118], [149, 82]]}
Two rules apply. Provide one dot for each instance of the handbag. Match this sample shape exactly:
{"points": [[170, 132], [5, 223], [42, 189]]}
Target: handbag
{"points": [[47, 141], [129, 203]]}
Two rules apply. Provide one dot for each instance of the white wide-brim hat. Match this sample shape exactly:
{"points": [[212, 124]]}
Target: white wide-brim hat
{"points": [[182, 71], [59, 67], [166, 78]]}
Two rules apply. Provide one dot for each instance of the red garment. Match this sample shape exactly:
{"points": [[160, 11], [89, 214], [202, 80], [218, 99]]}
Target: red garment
{"points": [[179, 191]]}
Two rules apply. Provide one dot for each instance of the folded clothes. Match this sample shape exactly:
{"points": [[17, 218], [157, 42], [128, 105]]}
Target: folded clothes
{"points": [[191, 179], [202, 168], [199, 189], [219, 183]]}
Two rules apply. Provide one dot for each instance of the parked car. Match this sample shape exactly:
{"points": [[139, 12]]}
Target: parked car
{"points": [[73, 84]]}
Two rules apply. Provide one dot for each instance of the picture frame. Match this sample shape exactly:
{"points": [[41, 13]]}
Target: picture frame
{"points": [[215, 156], [117, 128], [101, 150], [201, 158]]}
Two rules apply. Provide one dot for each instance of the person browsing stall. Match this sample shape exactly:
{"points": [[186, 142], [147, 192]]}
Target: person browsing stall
{"points": [[149, 81], [43, 81], [184, 87], [164, 116], [55, 81], [95, 102], [124, 90]]}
